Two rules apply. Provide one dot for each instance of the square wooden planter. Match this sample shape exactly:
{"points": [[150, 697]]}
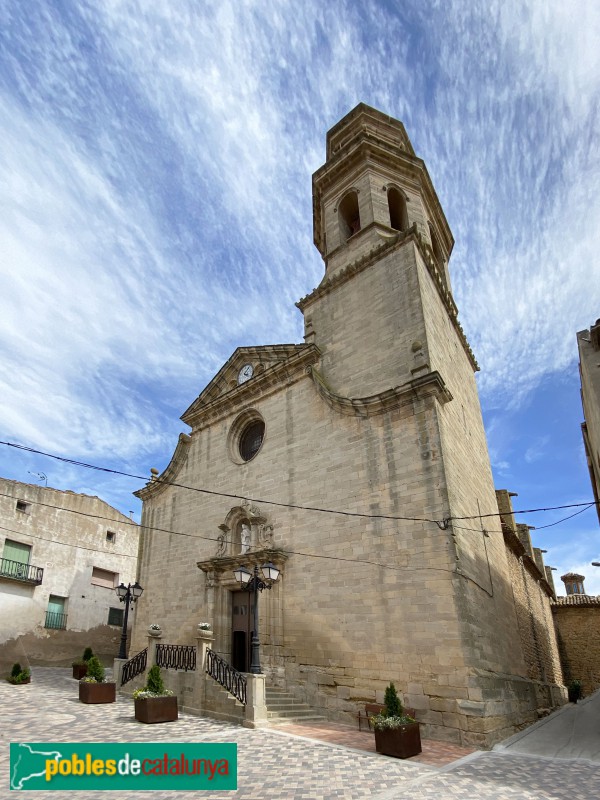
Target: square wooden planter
{"points": [[79, 671], [156, 709], [403, 742], [97, 692]]}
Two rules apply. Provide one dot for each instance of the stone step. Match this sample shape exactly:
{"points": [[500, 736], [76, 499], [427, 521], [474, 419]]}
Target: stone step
{"points": [[284, 707], [302, 713]]}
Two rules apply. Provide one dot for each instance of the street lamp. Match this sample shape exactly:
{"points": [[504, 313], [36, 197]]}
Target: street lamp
{"points": [[129, 595], [595, 563], [253, 582]]}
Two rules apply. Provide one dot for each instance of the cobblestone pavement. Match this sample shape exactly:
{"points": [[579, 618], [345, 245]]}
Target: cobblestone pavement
{"points": [[272, 766]]}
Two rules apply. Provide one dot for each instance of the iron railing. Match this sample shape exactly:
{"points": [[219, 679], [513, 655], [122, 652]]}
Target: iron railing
{"points": [[21, 572], [135, 666], [55, 620], [226, 675], [176, 656]]}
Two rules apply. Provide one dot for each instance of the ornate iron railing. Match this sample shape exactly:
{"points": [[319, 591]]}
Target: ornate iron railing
{"points": [[135, 666], [176, 656], [226, 675], [21, 572], [55, 620]]}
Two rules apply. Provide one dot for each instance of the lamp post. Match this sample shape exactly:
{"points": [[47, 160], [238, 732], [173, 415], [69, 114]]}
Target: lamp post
{"points": [[253, 582], [129, 595]]}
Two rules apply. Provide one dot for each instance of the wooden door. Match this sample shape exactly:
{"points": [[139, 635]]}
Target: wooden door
{"points": [[241, 629]]}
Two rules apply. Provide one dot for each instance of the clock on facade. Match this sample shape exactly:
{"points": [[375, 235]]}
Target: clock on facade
{"points": [[246, 372]]}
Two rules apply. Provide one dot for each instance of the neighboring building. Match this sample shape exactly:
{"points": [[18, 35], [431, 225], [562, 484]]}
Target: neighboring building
{"points": [[577, 619], [62, 555], [589, 370], [376, 415]]}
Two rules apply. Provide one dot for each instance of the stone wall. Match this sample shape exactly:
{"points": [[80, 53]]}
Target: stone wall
{"points": [[577, 620]]}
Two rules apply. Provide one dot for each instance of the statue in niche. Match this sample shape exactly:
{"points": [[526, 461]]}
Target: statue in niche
{"points": [[245, 538]]}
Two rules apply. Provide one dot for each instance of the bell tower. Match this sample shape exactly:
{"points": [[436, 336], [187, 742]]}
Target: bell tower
{"points": [[371, 189], [385, 241]]}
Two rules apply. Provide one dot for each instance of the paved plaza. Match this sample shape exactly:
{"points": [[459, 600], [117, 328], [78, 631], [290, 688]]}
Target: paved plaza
{"points": [[279, 763]]}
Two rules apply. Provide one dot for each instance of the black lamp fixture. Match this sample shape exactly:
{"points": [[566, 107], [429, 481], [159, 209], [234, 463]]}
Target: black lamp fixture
{"points": [[253, 582], [129, 595]]}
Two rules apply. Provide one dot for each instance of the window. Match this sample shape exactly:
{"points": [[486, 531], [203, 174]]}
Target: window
{"points": [[252, 439], [397, 207], [111, 537], [15, 559], [349, 216], [115, 616], [105, 578], [246, 436], [55, 615], [23, 507]]}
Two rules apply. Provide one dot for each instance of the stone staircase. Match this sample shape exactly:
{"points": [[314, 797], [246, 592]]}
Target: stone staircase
{"points": [[282, 707]]}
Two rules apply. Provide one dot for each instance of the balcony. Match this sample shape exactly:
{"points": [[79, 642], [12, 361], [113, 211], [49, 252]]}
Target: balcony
{"points": [[25, 573], [56, 621]]}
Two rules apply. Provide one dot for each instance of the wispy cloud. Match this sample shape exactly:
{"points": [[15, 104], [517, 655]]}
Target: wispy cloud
{"points": [[156, 207]]}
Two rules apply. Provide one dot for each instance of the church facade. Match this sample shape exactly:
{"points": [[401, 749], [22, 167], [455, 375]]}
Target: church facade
{"points": [[363, 474]]}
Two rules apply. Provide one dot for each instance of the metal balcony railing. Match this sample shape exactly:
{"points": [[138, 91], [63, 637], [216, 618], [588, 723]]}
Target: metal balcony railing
{"points": [[17, 571], [56, 621]]}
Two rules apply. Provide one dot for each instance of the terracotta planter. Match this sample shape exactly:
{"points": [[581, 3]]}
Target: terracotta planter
{"points": [[97, 692], [79, 671], [402, 742], [156, 709]]}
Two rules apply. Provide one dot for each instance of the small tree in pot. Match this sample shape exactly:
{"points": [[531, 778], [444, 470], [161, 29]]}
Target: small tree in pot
{"points": [[154, 703], [396, 734], [80, 667], [93, 688], [19, 676]]}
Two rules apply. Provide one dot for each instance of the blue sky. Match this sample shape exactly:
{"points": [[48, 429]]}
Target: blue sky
{"points": [[156, 165]]}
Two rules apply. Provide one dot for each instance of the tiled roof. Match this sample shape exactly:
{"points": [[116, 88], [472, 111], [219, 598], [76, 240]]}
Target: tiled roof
{"points": [[578, 600]]}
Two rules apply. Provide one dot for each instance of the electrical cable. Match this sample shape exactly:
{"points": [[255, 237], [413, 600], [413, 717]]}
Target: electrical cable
{"points": [[442, 524]]}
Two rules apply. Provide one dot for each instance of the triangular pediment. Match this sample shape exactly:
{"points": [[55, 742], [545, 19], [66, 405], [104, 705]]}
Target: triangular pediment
{"points": [[247, 367]]}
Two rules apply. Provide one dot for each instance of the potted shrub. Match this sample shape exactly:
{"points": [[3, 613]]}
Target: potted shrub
{"points": [[154, 703], [396, 734], [204, 630], [19, 676], [574, 690], [93, 688], [80, 667]]}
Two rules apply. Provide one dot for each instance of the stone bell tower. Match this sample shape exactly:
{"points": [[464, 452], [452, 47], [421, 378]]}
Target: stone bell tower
{"points": [[382, 233]]}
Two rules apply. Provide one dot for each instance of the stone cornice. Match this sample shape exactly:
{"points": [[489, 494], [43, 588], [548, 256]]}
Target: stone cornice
{"points": [[221, 564], [330, 283], [428, 385], [160, 482], [286, 371]]}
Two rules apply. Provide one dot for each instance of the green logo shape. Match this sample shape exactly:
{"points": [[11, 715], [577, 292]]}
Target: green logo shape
{"points": [[123, 766]]}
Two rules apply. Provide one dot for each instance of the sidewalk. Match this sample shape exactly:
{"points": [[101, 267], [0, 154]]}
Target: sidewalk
{"points": [[435, 754]]}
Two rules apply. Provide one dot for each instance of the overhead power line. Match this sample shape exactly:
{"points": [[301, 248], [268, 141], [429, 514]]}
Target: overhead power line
{"points": [[442, 524]]}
